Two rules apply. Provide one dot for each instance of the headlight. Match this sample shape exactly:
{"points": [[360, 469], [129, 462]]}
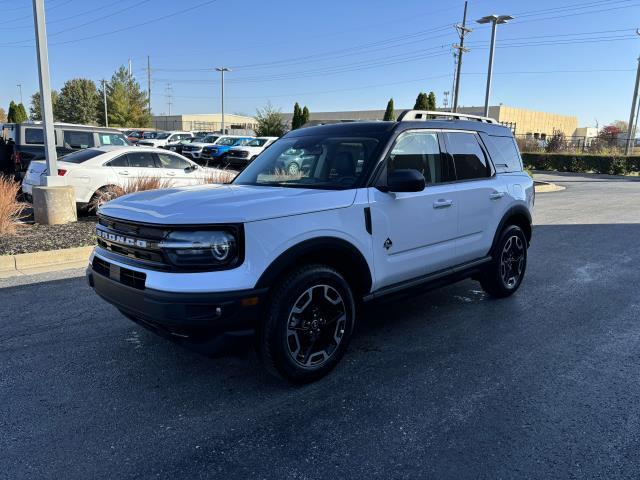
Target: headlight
{"points": [[201, 248]]}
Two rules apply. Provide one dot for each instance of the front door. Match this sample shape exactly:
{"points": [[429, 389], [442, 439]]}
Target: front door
{"points": [[414, 234]]}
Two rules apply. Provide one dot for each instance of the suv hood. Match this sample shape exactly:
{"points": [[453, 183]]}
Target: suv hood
{"points": [[211, 204]]}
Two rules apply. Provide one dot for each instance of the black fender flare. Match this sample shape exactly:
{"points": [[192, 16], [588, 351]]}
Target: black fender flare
{"points": [[335, 252], [517, 215]]}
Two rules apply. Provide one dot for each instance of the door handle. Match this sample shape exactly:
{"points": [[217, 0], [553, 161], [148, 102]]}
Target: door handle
{"points": [[171, 174], [496, 195], [124, 172], [441, 203]]}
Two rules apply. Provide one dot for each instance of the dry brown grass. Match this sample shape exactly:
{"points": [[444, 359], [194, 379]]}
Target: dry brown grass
{"points": [[219, 176], [10, 208], [138, 184]]}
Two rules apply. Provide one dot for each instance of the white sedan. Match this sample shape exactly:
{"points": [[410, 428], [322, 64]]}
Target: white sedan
{"points": [[94, 170]]}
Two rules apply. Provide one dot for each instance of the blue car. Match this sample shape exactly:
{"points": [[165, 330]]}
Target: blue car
{"points": [[214, 154]]}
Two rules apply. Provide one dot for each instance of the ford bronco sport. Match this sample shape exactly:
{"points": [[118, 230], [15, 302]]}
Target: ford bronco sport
{"points": [[377, 209]]}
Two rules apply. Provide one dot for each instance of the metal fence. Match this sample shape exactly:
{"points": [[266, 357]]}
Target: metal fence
{"points": [[558, 143]]}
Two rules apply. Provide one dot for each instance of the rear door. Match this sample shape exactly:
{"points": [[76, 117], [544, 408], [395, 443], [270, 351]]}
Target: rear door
{"points": [[414, 233], [142, 164], [481, 195]]}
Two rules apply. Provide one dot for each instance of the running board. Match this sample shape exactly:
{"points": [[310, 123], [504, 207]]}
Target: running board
{"points": [[428, 279]]}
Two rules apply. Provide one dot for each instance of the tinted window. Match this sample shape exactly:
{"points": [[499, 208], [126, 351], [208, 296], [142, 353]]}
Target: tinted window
{"points": [[112, 139], [172, 161], [122, 161], [421, 151], [34, 136], [504, 153], [468, 157], [78, 139], [81, 156], [141, 159]]}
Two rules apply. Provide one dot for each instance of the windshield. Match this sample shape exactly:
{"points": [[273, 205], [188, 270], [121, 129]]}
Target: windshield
{"points": [[209, 139], [311, 162], [80, 156], [149, 134], [258, 142], [227, 141], [162, 136]]}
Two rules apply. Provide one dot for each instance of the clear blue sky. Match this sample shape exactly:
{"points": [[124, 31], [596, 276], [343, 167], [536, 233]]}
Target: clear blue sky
{"points": [[561, 56]]}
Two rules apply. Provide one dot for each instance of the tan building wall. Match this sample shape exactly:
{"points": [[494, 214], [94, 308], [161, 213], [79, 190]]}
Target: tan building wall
{"points": [[205, 122]]}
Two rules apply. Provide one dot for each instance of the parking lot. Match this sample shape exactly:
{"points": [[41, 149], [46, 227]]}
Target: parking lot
{"points": [[446, 385]]}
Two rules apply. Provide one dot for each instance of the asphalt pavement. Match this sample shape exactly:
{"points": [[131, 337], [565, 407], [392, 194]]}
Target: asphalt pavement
{"points": [[449, 384]]}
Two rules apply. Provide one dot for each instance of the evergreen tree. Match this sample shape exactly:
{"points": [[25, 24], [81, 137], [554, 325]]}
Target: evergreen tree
{"points": [[296, 121], [421, 102], [3, 115], [270, 122], [431, 101], [389, 115], [305, 115], [35, 112], [78, 101], [17, 113], [127, 104]]}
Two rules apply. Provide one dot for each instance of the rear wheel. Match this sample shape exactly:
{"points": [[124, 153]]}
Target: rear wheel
{"points": [[309, 323], [504, 274]]}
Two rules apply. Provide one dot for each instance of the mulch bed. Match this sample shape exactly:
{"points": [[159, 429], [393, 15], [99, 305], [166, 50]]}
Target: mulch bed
{"points": [[32, 237]]}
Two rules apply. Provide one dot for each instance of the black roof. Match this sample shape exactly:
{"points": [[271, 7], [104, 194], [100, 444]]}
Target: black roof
{"points": [[380, 128]]}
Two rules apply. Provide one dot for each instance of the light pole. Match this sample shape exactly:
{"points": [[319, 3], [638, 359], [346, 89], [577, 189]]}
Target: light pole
{"points": [[629, 141], [494, 20], [20, 90], [104, 98], [222, 70]]}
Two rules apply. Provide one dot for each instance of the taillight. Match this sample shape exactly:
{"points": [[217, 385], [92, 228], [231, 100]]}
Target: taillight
{"points": [[61, 172]]}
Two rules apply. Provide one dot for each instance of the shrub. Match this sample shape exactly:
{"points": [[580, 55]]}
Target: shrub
{"points": [[609, 164], [219, 176], [10, 208]]}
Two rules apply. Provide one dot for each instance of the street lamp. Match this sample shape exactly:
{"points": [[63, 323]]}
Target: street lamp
{"points": [[222, 70], [494, 20]]}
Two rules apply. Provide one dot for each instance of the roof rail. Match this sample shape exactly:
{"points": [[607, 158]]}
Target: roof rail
{"points": [[412, 115]]}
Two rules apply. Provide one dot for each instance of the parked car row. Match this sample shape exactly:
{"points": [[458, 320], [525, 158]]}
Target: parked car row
{"points": [[94, 170]]}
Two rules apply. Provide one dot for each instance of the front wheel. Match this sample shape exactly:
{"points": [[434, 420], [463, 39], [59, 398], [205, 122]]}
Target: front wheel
{"points": [[309, 323], [504, 274]]}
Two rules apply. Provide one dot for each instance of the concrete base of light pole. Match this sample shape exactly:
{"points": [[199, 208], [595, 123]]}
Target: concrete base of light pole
{"points": [[54, 205]]}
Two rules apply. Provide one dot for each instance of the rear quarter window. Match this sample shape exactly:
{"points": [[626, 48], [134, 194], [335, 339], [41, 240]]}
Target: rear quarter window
{"points": [[33, 136], [504, 153]]}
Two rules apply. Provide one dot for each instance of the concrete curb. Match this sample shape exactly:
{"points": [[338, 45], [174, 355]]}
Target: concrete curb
{"points": [[546, 187], [41, 262]]}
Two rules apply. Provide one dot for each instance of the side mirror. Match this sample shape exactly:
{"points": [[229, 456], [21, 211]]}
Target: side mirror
{"points": [[404, 181]]}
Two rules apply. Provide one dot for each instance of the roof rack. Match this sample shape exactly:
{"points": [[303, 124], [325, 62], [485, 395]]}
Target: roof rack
{"points": [[413, 115]]}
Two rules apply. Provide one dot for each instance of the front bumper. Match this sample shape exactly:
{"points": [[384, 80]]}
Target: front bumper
{"points": [[195, 318]]}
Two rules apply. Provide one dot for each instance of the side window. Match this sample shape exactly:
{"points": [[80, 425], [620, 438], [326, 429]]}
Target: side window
{"points": [[121, 161], [33, 136], [469, 159], [77, 139], [141, 160], [172, 161], [421, 151], [504, 153], [111, 139]]}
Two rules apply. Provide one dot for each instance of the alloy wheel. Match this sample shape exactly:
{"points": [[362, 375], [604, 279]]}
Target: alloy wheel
{"points": [[512, 261]]}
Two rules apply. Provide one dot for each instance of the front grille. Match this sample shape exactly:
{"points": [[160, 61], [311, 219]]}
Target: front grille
{"points": [[239, 153], [135, 242], [130, 278]]}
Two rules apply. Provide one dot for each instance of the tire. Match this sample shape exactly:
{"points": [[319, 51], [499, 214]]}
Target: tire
{"points": [[293, 168], [504, 274], [308, 324]]}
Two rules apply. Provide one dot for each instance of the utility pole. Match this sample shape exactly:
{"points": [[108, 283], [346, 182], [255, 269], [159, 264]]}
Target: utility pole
{"points": [[149, 82], [20, 90], [462, 31], [104, 97], [169, 95], [130, 70], [46, 106], [445, 100], [222, 70], [495, 20], [627, 149]]}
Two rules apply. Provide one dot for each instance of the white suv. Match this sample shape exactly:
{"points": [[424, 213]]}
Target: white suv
{"points": [[377, 208], [247, 153], [162, 138]]}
